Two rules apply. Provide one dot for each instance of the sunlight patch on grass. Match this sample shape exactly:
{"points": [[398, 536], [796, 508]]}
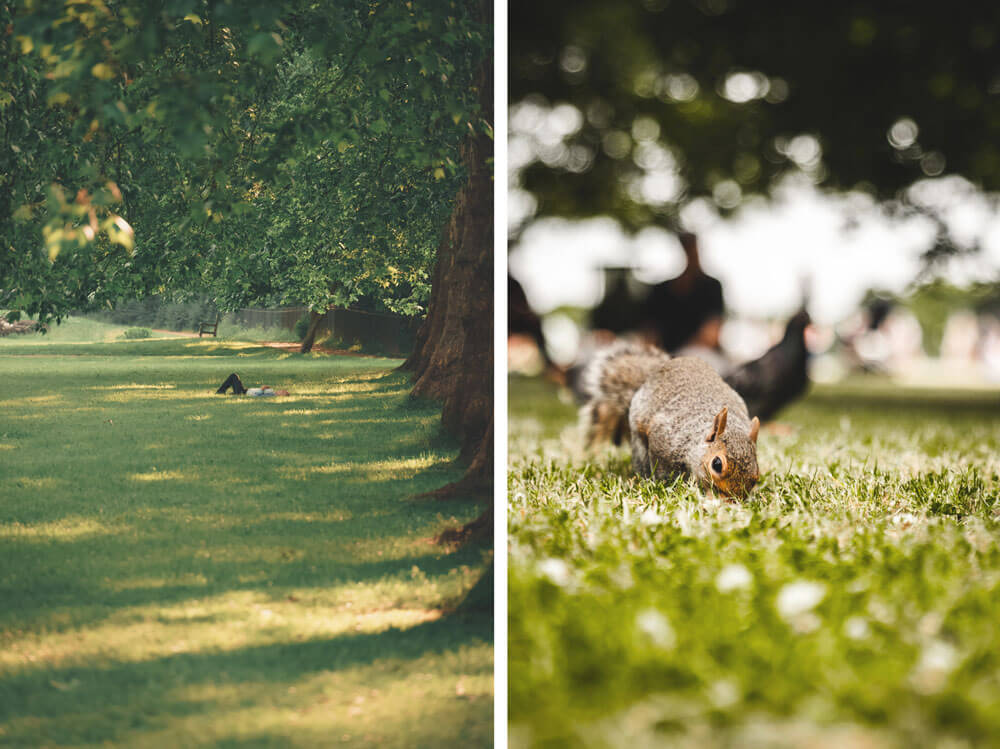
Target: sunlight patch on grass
{"points": [[330, 516], [375, 470], [223, 623], [221, 346], [7, 446], [132, 396], [61, 530], [355, 386], [47, 399], [164, 476]]}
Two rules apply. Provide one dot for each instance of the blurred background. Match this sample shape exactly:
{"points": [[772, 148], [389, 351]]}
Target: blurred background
{"points": [[840, 159]]}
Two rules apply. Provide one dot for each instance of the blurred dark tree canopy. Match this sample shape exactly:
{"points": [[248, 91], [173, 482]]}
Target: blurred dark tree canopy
{"points": [[721, 98], [256, 151]]}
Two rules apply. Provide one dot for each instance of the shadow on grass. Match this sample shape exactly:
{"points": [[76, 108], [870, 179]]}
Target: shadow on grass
{"points": [[175, 347], [910, 402], [128, 502], [134, 688], [42, 588]]}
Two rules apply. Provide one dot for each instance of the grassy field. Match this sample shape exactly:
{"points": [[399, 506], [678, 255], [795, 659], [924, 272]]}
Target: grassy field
{"points": [[853, 601], [77, 330], [179, 568]]}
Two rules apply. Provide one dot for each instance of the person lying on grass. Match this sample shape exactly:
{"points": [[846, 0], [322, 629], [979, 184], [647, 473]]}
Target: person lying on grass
{"points": [[234, 382]]}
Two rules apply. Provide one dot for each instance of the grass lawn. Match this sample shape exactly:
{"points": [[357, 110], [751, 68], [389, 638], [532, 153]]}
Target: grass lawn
{"points": [[179, 568], [77, 330], [853, 601]]}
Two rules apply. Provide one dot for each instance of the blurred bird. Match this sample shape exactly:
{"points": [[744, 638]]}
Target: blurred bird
{"points": [[778, 377]]}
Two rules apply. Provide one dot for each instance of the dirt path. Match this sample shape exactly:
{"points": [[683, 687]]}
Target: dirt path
{"points": [[174, 333]]}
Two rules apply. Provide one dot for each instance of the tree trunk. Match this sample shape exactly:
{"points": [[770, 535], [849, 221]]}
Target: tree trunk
{"points": [[310, 338], [452, 360]]}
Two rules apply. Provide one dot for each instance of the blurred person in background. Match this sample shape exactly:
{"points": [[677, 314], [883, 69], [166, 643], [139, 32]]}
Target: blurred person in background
{"points": [[686, 312]]}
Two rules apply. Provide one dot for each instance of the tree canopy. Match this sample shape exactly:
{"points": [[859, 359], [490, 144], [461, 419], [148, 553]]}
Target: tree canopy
{"points": [[635, 108], [262, 152]]}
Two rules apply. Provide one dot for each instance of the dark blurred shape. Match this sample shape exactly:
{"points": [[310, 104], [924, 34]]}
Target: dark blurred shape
{"points": [[778, 377], [686, 310], [621, 309], [851, 337], [523, 320], [877, 309], [867, 96]]}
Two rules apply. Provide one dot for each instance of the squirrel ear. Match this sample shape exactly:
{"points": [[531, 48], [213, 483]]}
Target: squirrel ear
{"points": [[719, 426], [754, 429]]}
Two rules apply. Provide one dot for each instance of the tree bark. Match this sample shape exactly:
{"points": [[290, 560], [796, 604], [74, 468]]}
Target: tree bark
{"points": [[310, 337], [452, 360]]}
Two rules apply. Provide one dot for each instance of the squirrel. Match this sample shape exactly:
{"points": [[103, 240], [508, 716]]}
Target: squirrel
{"points": [[678, 414]]}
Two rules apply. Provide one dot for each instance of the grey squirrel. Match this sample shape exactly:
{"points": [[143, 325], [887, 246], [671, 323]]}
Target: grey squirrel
{"points": [[678, 414]]}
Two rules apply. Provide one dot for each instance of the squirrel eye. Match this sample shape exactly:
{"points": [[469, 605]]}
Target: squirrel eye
{"points": [[717, 464]]}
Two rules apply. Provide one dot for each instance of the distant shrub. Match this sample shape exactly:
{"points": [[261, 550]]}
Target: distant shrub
{"points": [[132, 333], [156, 312], [302, 326]]}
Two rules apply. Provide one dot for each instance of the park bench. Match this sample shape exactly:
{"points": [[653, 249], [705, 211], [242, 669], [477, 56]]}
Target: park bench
{"points": [[210, 328]]}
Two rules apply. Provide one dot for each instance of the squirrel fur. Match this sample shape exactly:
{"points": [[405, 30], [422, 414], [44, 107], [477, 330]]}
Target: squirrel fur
{"points": [[678, 415]]}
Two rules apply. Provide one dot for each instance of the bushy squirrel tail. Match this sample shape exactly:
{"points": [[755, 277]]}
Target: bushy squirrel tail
{"points": [[608, 382]]}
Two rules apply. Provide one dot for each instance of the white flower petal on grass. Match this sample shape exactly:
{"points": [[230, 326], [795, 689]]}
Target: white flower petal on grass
{"points": [[805, 623], [724, 693], [930, 624], [938, 655], [657, 628], [937, 660], [733, 577], [651, 517], [799, 597], [856, 627], [556, 570]]}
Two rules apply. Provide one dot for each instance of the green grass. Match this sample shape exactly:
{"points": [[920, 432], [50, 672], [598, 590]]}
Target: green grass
{"points": [[74, 330], [852, 601], [179, 568]]}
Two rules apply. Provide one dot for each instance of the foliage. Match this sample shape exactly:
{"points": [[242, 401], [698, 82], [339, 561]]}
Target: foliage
{"points": [[288, 152], [193, 571], [137, 333], [935, 302], [672, 101], [157, 311], [302, 327], [851, 601]]}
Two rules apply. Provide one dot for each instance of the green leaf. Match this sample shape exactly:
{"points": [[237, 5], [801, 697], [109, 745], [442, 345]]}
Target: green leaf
{"points": [[265, 47], [103, 71]]}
